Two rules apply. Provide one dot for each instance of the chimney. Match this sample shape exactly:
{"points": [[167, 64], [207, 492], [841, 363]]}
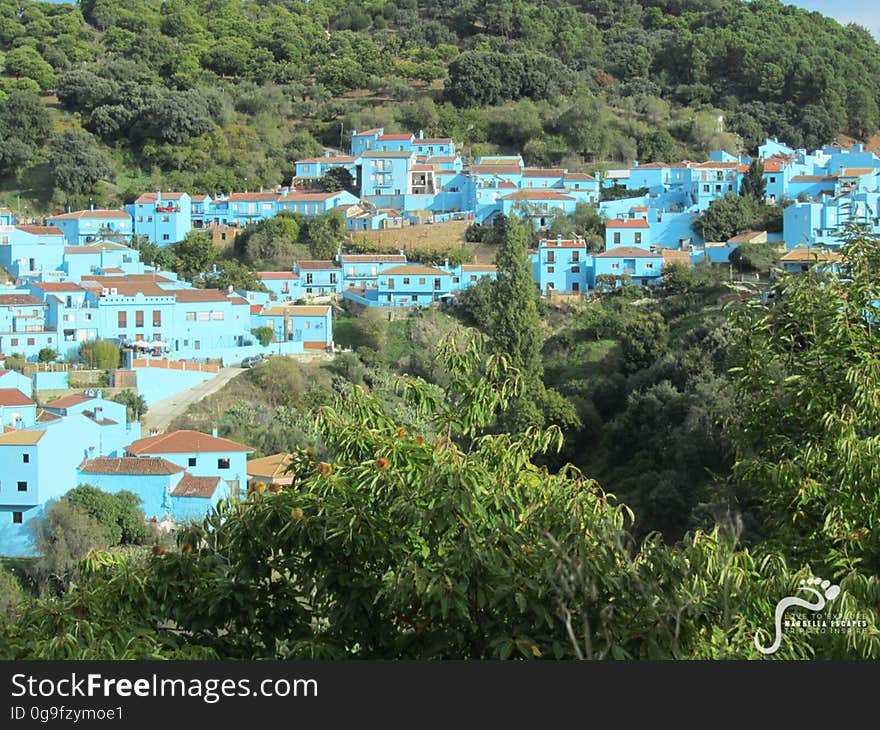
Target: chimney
{"points": [[91, 204], [99, 413], [214, 431], [421, 134], [158, 197]]}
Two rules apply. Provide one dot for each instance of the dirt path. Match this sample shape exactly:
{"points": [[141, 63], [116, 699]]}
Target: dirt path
{"points": [[162, 412]]}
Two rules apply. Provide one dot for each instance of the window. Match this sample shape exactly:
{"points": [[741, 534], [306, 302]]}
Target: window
{"points": [[157, 318], [575, 269], [14, 341], [617, 237], [197, 344], [406, 280], [455, 280], [551, 269], [217, 316], [705, 188], [551, 257], [391, 283], [332, 278], [649, 265], [773, 179], [22, 486], [308, 325], [575, 256], [25, 458], [473, 277], [166, 218], [122, 319], [309, 279], [30, 341], [191, 461], [166, 237], [204, 316], [638, 237], [16, 518], [222, 463], [139, 318], [615, 265], [190, 316]]}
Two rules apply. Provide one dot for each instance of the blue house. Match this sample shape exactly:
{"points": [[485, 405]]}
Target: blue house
{"points": [[309, 325], [363, 270], [629, 263], [412, 284], [802, 259], [23, 325], [563, 266], [84, 226], [104, 257], [319, 277], [17, 410], [10, 379], [164, 218], [316, 167], [627, 232], [114, 430], [365, 140], [27, 251], [283, 285], [200, 454]]}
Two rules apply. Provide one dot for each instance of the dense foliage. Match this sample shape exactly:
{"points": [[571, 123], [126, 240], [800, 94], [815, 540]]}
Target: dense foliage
{"points": [[210, 97]]}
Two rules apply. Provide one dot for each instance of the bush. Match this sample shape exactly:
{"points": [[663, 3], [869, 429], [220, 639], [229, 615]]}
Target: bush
{"points": [[135, 405], [47, 354], [264, 335], [100, 354], [118, 514]]}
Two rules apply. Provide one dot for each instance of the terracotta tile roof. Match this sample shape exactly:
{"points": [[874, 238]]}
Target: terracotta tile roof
{"points": [[151, 197], [368, 132], [190, 486], [41, 230], [56, 286], [316, 265], [296, 310], [479, 267], [100, 421], [814, 178], [553, 243], [44, 416], [579, 176], [112, 270], [774, 165], [185, 442], [507, 185], [131, 465], [116, 214], [671, 255], [626, 223], [368, 258], [402, 154], [653, 166], [256, 308], [21, 437], [270, 275], [68, 401], [434, 140], [628, 252], [339, 158], [14, 397], [198, 198], [422, 168], [543, 172], [493, 169], [395, 137], [96, 247], [198, 295], [500, 160], [537, 195], [857, 171], [810, 254], [748, 236], [440, 159], [415, 270], [270, 467], [20, 300]]}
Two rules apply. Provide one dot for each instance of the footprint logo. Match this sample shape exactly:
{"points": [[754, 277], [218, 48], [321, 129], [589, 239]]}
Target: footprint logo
{"points": [[823, 590]]}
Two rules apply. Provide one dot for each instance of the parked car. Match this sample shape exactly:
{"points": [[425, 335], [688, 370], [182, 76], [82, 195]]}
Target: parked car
{"points": [[250, 362]]}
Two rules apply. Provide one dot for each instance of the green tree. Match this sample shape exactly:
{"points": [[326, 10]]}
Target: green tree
{"points": [[118, 513], [195, 254], [77, 162], [726, 217], [26, 61], [656, 146], [753, 184], [269, 241], [371, 329], [264, 335], [335, 179], [100, 354], [324, 234], [47, 354], [135, 405]]}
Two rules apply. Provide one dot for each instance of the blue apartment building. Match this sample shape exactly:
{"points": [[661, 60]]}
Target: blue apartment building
{"points": [[85, 226], [164, 218]]}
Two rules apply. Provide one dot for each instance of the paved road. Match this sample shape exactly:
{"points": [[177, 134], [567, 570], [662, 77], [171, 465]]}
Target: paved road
{"points": [[162, 412]]}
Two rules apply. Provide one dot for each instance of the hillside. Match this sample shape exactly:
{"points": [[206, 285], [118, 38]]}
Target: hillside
{"points": [[107, 99]]}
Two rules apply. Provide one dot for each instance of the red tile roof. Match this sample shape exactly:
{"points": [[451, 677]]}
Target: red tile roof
{"points": [[44, 416], [579, 176], [57, 286], [20, 300], [68, 401], [299, 197], [253, 197], [394, 137], [270, 275], [92, 214], [628, 252], [537, 195], [626, 223], [368, 132], [151, 197], [190, 486], [14, 397], [314, 265], [41, 230], [541, 172], [369, 258], [414, 270], [434, 140], [339, 158], [131, 465], [492, 169], [185, 442]]}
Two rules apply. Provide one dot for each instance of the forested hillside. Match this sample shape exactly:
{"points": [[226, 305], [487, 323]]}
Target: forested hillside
{"points": [[107, 99]]}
